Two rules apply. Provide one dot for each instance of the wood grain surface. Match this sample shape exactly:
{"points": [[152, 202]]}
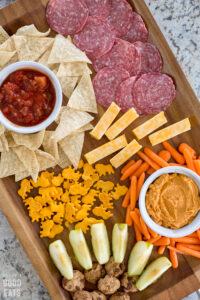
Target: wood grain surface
{"points": [[175, 284]]}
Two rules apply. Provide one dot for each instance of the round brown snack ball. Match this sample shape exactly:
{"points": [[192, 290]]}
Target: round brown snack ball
{"points": [[113, 268], [129, 283], [96, 295], [108, 285], [82, 295], [120, 296], [75, 284], [95, 273]]}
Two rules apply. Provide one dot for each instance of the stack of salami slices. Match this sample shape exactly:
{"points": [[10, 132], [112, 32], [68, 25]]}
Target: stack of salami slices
{"points": [[115, 38]]}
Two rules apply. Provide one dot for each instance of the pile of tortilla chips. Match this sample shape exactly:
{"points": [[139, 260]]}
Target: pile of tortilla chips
{"points": [[27, 155]]}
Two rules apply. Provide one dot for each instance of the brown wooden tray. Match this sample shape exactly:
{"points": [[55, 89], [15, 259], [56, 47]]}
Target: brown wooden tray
{"points": [[176, 283]]}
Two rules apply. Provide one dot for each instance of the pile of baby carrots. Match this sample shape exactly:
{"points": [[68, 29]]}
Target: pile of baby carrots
{"points": [[136, 171]]}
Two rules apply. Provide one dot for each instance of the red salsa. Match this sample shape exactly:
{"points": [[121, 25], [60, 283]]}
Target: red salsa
{"points": [[27, 97]]}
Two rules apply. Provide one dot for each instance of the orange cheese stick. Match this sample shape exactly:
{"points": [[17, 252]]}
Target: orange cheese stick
{"points": [[161, 162], [148, 160], [179, 158]]}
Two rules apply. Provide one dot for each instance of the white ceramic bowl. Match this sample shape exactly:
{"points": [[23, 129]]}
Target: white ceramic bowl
{"points": [[38, 67], [183, 231]]}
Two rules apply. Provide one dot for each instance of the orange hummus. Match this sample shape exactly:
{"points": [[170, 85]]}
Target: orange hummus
{"points": [[173, 200]]}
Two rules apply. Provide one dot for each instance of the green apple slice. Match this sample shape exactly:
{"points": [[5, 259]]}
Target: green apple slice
{"points": [[119, 242], [80, 248], [61, 259], [153, 272], [139, 257], [100, 243]]}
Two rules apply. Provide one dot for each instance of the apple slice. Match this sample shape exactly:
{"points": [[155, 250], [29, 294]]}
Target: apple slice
{"points": [[139, 257], [153, 272], [100, 243], [119, 242], [61, 259], [80, 248]]}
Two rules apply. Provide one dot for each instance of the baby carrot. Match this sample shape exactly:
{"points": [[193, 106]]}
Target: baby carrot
{"points": [[126, 200], [187, 240], [131, 170], [175, 249], [161, 250], [133, 192], [137, 233], [161, 162], [140, 184], [194, 247], [128, 218], [153, 233], [194, 235], [164, 154], [173, 255], [153, 240], [143, 168], [144, 229], [197, 165], [137, 211], [130, 163], [148, 160], [188, 158], [163, 241], [198, 233], [136, 220], [176, 165], [184, 146], [179, 158], [188, 251]]}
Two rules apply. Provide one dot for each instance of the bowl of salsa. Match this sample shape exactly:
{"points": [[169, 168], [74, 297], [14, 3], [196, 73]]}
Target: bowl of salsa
{"points": [[30, 97]]}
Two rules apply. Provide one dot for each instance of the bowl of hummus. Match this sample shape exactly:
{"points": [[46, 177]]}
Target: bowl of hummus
{"points": [[170, 201]]}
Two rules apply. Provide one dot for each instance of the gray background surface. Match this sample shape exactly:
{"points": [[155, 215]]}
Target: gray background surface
{"points": [[179, 20]]}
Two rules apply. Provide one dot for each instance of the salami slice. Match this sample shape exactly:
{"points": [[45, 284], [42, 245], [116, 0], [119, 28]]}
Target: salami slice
{"points": [[67, 16], [153, 92], [121, 16], [138, 30], [136, 66], [120, 55], [96, 38], [151, 60], [99, 8], [106, 83], [124, 95]]}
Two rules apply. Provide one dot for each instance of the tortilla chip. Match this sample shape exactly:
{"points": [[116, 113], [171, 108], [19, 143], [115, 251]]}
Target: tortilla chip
{"points": [[63, 161], [73, 69], [72, 146], [5, 57], [8, 45], [11, 61], [3, 35], [10, 140], [83, 97], [64, 50], [4, 143], [50, 144], [45, 160], [44, 60], [10, 164], [31, 48], [70, 121], [29, 160], [2, 129], [31, 30], [86, 127], [30, 141], [68, 84]]}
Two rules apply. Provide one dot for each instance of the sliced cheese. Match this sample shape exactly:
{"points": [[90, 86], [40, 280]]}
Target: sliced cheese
{"points": [[170, 132], [106, 149], [150, 126], [105, 121], [125, 154], [121, 124]]}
